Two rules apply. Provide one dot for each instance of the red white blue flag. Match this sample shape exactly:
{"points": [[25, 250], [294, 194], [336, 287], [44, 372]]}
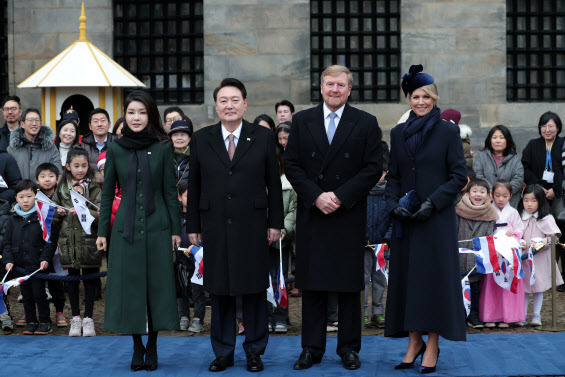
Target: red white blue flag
{"points": [[486, 257], [381, 262], [15, 282], [280, 293], [198, 275], [532, 267], [45, 214], [510, 273]]}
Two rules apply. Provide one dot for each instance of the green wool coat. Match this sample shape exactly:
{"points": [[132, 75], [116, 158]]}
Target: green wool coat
{"points": [[140, 274], [76, 248]]}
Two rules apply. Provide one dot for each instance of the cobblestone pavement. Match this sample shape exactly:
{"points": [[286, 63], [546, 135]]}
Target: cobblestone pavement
{"points": [[295, 315]]}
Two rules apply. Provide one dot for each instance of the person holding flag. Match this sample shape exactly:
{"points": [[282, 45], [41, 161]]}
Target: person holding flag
{"points": [[74, 232], [25, 246], [539, 224]]}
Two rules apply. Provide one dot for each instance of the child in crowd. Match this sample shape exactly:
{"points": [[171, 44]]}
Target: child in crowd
{"points": [[476, 217], [47, 175], [100, 163], [181, 131], [498, 304], [539, 225], [197, 290], [77, 248], [378, 231], [24, 247]]}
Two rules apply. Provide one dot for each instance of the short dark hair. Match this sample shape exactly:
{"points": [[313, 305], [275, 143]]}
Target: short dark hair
{"points": [[183, 187], [98, 110], [284, 102], [25, 184], [478, 182], [510, 146], [546, 117], [539, 193], [47, 166], [502, 183], [172, 109], [230, 81], [266, 118], [12, 98], [30, 110]]}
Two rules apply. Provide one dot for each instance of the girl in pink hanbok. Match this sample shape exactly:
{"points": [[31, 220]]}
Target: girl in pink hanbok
{"points": [[539, 225], [498, 305]]}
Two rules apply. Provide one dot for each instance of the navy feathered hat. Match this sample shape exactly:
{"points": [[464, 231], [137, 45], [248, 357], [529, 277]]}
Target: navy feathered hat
{"points": [[415, 79]]}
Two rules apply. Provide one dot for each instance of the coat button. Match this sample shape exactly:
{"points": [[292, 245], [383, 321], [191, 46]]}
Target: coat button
{"points": [[229, 197], [321, 176], [141, 208], [141, 220], [337, 177], [347, 155], [139, 170], [412, 169], [313, 154], [142, 232], [229, 221], [230, 172], [141, 195]]}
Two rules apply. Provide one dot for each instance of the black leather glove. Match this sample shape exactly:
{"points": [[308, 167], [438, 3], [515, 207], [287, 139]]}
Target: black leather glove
{"points": [[425, 211], [400, 213]]}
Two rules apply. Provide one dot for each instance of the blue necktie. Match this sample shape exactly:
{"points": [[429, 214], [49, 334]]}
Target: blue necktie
{"points": [[331, 127]]}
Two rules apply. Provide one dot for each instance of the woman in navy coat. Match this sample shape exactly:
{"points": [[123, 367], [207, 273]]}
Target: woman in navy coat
{"points": [[424, 292]]}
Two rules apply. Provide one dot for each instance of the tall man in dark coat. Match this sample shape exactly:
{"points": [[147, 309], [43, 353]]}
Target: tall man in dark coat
{"points": [[235, 209], [332, 160]]}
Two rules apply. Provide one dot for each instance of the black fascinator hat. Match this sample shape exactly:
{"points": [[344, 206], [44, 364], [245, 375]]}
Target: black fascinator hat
{"points": [[415, 79]]}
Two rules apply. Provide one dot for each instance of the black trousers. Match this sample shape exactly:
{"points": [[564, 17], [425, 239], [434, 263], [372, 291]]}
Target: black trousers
{"points": [[222, 332], [57, 290], [33, 293], [315, 318], [89, 292]]}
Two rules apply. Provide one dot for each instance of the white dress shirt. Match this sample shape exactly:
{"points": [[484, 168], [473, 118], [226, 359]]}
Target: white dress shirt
{"points": [[327, 112], [226, 133]]}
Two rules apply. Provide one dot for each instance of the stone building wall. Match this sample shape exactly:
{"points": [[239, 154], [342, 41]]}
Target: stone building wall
{"points": [[266, 44]]}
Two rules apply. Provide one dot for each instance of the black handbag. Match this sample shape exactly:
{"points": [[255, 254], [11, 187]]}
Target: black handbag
{"points": [[183, 268]]}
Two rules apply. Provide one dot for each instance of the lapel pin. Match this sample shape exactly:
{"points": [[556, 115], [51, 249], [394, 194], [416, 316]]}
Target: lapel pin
{"points": [[248, 139], [148, 152]]}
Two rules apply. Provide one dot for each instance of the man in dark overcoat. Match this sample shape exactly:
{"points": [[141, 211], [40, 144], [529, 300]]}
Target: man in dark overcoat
{"points": [[332, 160], [235, 210]]}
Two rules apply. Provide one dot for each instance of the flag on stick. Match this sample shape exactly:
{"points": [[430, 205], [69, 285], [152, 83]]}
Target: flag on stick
{"points": [[17, 282], [485, 256], [271, 293], [84, 216], [280, 295], [198, 275], [380, 254], [532, 266]]}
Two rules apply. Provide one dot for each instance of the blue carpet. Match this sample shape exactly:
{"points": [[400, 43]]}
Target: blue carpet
{"points": [[482, 355]]}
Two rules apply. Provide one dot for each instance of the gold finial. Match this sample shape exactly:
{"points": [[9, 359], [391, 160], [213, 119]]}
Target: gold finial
{"points": [[82, 27]]}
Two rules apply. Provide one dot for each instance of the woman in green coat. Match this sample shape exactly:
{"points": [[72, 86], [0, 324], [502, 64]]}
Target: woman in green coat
{"points": [[140, 266]]}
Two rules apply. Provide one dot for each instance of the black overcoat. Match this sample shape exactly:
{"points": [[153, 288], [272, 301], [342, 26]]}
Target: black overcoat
{"points": [[232, 203], [330, 248], [424, 287], [533, 159]]}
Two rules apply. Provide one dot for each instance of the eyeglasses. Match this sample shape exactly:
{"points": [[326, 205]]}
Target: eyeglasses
{"points": [[12, 109], [169, 120], [34, 120]]}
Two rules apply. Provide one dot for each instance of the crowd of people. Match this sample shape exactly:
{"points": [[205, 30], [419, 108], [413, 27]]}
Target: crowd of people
{"points": [[319, 187]]}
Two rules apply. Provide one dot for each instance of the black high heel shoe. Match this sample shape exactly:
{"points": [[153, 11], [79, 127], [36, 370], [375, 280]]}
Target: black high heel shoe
{"points": [[151, 361], [426, 370], [137, 363], [404, 365]]}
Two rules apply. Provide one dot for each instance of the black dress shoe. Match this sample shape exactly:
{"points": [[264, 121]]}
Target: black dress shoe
{"points": [[561, 288], [351, 360], [220, 364], [151, 360], [254, 363], [306, 360], [137, 362], [404, 365], [426, 370]]}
